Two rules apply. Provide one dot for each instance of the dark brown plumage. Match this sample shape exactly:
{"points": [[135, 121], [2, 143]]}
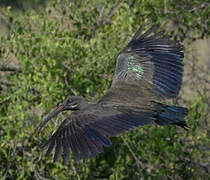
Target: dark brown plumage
{"points": [[149, 69]]}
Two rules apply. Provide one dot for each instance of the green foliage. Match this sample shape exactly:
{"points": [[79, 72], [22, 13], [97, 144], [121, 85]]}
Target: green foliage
{"points": [[70, 48]]}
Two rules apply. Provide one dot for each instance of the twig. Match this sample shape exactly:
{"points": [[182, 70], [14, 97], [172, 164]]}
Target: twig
{"points": [[139, 164], [5, 83], [199, 7], [8, 68], [114, 9]]}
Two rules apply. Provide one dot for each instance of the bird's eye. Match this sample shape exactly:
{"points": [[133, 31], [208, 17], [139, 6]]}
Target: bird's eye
{"points": [[69, 100]]}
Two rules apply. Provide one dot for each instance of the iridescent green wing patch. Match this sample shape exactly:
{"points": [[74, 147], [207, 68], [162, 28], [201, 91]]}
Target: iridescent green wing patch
{"points": [[135, 67]]}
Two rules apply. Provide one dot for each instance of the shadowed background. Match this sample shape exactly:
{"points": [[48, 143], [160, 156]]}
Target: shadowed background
{"points": [[52, 49]]}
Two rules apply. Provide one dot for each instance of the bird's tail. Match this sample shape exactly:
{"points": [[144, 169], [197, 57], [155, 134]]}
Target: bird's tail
{"points": [[171, 115]]}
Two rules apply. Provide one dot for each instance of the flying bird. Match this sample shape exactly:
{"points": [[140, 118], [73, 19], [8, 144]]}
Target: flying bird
{"points": [[148, 71]]}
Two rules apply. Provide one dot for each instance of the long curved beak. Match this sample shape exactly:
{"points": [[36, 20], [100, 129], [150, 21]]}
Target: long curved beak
{"points": [[58, 110]]}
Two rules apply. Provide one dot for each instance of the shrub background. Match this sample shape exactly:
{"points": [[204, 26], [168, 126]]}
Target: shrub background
{"points": [[52, 49]]}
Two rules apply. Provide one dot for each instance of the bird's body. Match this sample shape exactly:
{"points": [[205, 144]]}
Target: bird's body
{"points": [[149, 70]]}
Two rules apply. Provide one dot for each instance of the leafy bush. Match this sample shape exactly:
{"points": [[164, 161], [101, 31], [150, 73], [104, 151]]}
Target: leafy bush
{"points": [[70, 48]]}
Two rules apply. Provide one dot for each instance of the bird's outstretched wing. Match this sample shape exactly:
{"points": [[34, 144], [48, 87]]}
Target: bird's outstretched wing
{"points": [[85, 133], [150, 63]]}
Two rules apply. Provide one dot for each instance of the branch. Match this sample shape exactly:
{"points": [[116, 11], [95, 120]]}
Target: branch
{"points": [[8, 68], [202, 6], [6, 83], [138, 162]]}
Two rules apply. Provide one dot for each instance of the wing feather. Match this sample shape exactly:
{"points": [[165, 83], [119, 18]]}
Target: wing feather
{"points": [[58, 148], [66, 148], [51, 146], [72, 144]]}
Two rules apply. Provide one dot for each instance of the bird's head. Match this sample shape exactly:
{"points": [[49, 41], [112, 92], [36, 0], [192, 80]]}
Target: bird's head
{"points": [[73, 103]]}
